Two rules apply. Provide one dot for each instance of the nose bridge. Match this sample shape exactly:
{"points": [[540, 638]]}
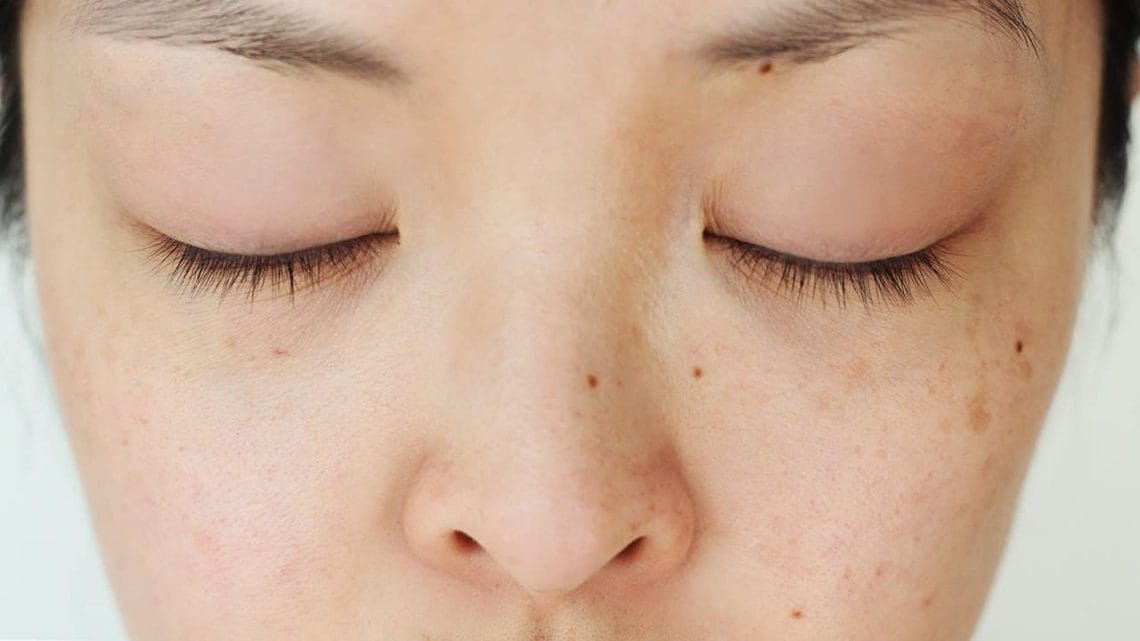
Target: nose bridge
{"points": [[554, 457], [550, 317]]}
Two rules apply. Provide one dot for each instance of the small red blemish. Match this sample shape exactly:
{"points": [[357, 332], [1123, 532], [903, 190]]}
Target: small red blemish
{"points": [[766, 68], [592, 381], [797, 614], [280, 351], [928, 601], [698, 372], [881, 571]]}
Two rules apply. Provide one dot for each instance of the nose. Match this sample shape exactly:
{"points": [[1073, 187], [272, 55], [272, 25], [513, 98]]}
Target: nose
{"points": [[552, 467], [550, 529]]}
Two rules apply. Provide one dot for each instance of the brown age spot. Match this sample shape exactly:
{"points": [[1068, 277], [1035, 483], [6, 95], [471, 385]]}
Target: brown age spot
{"points": [[698, 372], [592, 381], [204, 543], [797, 614], [1026, 369], [980, 416], [857, 373]]}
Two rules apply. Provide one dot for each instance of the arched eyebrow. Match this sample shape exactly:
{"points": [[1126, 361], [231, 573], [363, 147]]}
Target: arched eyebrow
{"points": [[816, 30], [271, 36]]}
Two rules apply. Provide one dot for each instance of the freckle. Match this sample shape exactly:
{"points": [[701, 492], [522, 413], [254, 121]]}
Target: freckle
{"points": [[797, 614], [766, 68], [231, 342], [881, 571], [205, 543], [592, 381], [980, 417], [847, 574], [1020, 347], [698, 372], [928, 601]]}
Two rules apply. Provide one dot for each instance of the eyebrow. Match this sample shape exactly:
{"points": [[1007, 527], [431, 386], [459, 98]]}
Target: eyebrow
{"points": [[281, 40], [272, 37], [817, 30]]}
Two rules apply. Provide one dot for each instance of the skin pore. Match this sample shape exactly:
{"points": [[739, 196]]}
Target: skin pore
{"points": [[587, 351]]}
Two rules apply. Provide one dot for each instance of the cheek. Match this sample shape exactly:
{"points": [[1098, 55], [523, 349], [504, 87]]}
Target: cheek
{"points": [[235, 506], [869, 467]]}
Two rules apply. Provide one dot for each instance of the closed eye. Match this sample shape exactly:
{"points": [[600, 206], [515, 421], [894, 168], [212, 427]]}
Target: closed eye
{"points": [[195, 271], [898, 280]]}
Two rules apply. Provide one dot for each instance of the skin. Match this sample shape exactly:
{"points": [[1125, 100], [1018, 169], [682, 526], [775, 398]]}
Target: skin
{"points": [[553, 360]]}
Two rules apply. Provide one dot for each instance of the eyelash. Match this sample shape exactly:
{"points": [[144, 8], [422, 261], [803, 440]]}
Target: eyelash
{"points": [[196, 271], [898, 281]]}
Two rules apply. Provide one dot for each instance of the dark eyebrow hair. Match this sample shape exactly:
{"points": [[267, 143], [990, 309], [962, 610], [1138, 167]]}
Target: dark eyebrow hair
{"points": [[816, 30], [272, 37]]}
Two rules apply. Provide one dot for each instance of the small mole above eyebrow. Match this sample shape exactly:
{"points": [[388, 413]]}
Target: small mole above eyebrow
{"points": [[592, 381], [766, 67]]}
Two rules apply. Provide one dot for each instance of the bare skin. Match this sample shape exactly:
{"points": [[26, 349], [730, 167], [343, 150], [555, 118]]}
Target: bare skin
{"points": [[553, 409]]}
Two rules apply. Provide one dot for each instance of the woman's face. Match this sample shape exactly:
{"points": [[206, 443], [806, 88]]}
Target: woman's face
{"points": [[530, 385]]}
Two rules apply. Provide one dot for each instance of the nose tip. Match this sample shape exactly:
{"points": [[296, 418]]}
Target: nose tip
{"points": [[553, 540]]}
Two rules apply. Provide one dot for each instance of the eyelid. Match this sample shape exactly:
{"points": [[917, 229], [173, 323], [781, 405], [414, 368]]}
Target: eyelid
{"points": [[194, 271], [897, 280]]}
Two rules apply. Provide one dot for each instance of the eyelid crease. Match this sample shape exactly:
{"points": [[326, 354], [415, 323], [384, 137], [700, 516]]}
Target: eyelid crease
{"points": [[898, 280], [195, 271]]}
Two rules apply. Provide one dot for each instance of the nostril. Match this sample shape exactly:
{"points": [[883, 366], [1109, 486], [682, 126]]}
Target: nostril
{"points": [[464, 542], [630, 551]]}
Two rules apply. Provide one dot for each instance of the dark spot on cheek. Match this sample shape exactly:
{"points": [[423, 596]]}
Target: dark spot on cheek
{"points": [[698, 372], [980, 416], [1020, 347], [592, 381], [798, 614]]}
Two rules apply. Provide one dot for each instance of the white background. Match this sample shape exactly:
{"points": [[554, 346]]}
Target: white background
{"points": [[1072, 571]]}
